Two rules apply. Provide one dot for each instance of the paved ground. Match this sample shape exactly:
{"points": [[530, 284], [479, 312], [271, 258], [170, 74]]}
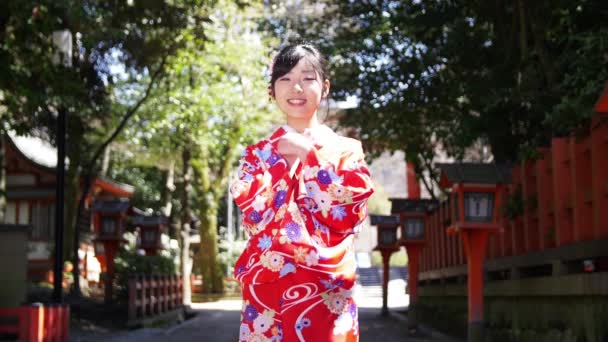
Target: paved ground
{"points": [[219, 321]]}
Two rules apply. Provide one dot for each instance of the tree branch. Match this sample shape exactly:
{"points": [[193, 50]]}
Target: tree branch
{"points": [[130, 112]]}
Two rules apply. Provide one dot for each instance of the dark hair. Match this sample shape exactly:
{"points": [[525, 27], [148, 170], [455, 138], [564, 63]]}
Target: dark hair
{"points": [[291, 55]]}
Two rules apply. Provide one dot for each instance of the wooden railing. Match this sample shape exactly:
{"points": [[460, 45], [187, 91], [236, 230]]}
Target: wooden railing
{"points": [[561, 216], [152, 295], [36, 322]]}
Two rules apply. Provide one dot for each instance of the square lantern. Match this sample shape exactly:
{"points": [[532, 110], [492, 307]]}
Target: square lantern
{"points": [[149, 237], [387, 230], [413, 229], [99, 247], [150, 230], [413, 213], [479, 206], [109, 218], [474, 193], [109, 226]]}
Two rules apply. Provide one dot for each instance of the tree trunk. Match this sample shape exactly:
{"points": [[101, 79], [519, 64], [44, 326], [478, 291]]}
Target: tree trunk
{"points": [[105, 161], [186, 218], [208, 261], [2, 179], [70, 241], [167, 197]]}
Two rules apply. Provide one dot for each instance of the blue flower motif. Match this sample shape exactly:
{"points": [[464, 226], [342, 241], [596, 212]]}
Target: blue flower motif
{"points": [[294, 232], [334, 177], [286, 269], [328, 284], [305, 322], [352, 309], [323, 177], [279, 198], [263, 154], [264, 242], [273, 159], [240, 269], [338, 213], [255, 216], [251, 313]]}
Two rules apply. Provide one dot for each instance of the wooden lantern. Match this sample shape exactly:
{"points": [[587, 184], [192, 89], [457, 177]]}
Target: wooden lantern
{"points": [[387, 230], [475, 191], [151, 229]]}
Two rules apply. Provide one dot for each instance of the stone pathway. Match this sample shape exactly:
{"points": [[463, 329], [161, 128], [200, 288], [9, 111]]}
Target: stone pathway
{"points": [[218, 322]]}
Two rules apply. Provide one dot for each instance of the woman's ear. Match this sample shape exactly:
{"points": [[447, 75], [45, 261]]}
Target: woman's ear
{"points": [[326, 85]]}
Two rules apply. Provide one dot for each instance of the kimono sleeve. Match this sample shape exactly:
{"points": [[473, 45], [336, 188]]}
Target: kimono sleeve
{"points": [[335, 190], [260, 169]]}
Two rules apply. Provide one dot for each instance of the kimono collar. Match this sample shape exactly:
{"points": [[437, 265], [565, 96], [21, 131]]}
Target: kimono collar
{"points": [[318, 130]]}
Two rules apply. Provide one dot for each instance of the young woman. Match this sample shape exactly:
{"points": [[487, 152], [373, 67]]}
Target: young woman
{"points": [[303, 194]]}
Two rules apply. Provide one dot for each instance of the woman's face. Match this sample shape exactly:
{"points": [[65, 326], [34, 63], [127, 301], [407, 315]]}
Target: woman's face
{"points": [[299, 92]]}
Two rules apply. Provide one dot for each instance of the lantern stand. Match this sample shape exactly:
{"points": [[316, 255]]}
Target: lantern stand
{"points": [[151, 229], [476, 192], [387, 245], [413, 215], [109, 218]]}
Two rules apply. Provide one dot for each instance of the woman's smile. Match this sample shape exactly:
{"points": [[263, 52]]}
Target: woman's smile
{"points": [[296, 102]]}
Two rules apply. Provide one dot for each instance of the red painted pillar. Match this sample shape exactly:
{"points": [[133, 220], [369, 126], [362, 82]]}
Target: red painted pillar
{"points": [[580, 153], [599, 165], [36, 323], [562, 185], [544, 184], [475, 241], [413, 254], [413, 186], [441, 236], [386, 256], [530, 206], [517, 224], [110, 249]]}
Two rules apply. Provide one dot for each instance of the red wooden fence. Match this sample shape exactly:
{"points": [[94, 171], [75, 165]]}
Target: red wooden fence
{"points": [[36, 323], [151, 295], [565, 202]]}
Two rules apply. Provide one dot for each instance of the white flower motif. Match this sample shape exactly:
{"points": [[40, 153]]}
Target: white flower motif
{"points": [[257, 337], [343, 323], [312, 188], [244, 332], [263, 322], [335, 302], [323, 200], [310, 172], [273, 261], [237, 187], [259, 203], [312, 259]]}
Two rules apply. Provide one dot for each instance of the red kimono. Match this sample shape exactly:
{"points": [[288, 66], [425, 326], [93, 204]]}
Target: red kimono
{"points": [[298, 269]]}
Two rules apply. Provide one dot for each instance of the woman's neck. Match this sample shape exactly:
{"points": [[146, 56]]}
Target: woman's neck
{"points": [[300, 124]]}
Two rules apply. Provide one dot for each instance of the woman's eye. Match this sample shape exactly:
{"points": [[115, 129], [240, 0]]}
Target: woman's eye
{"points": [[310, 79], [284, 79]]}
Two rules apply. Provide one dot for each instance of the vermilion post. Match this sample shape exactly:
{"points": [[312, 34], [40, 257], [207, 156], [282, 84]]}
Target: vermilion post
{"points": [[413, 187], [386, 256], [475, 242], [413, 255], [599, 165], [562, 185]]}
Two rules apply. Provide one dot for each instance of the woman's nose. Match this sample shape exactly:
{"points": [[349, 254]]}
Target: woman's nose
{"points": [[298, 88]]}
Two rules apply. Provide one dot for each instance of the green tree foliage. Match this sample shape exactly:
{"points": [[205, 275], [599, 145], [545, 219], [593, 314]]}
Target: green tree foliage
{"points": [[447, 73], [213, 103], [118, 54]]}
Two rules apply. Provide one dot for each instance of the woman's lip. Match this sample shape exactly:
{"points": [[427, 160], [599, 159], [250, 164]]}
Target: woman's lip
{"points": [[296, 102]]}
